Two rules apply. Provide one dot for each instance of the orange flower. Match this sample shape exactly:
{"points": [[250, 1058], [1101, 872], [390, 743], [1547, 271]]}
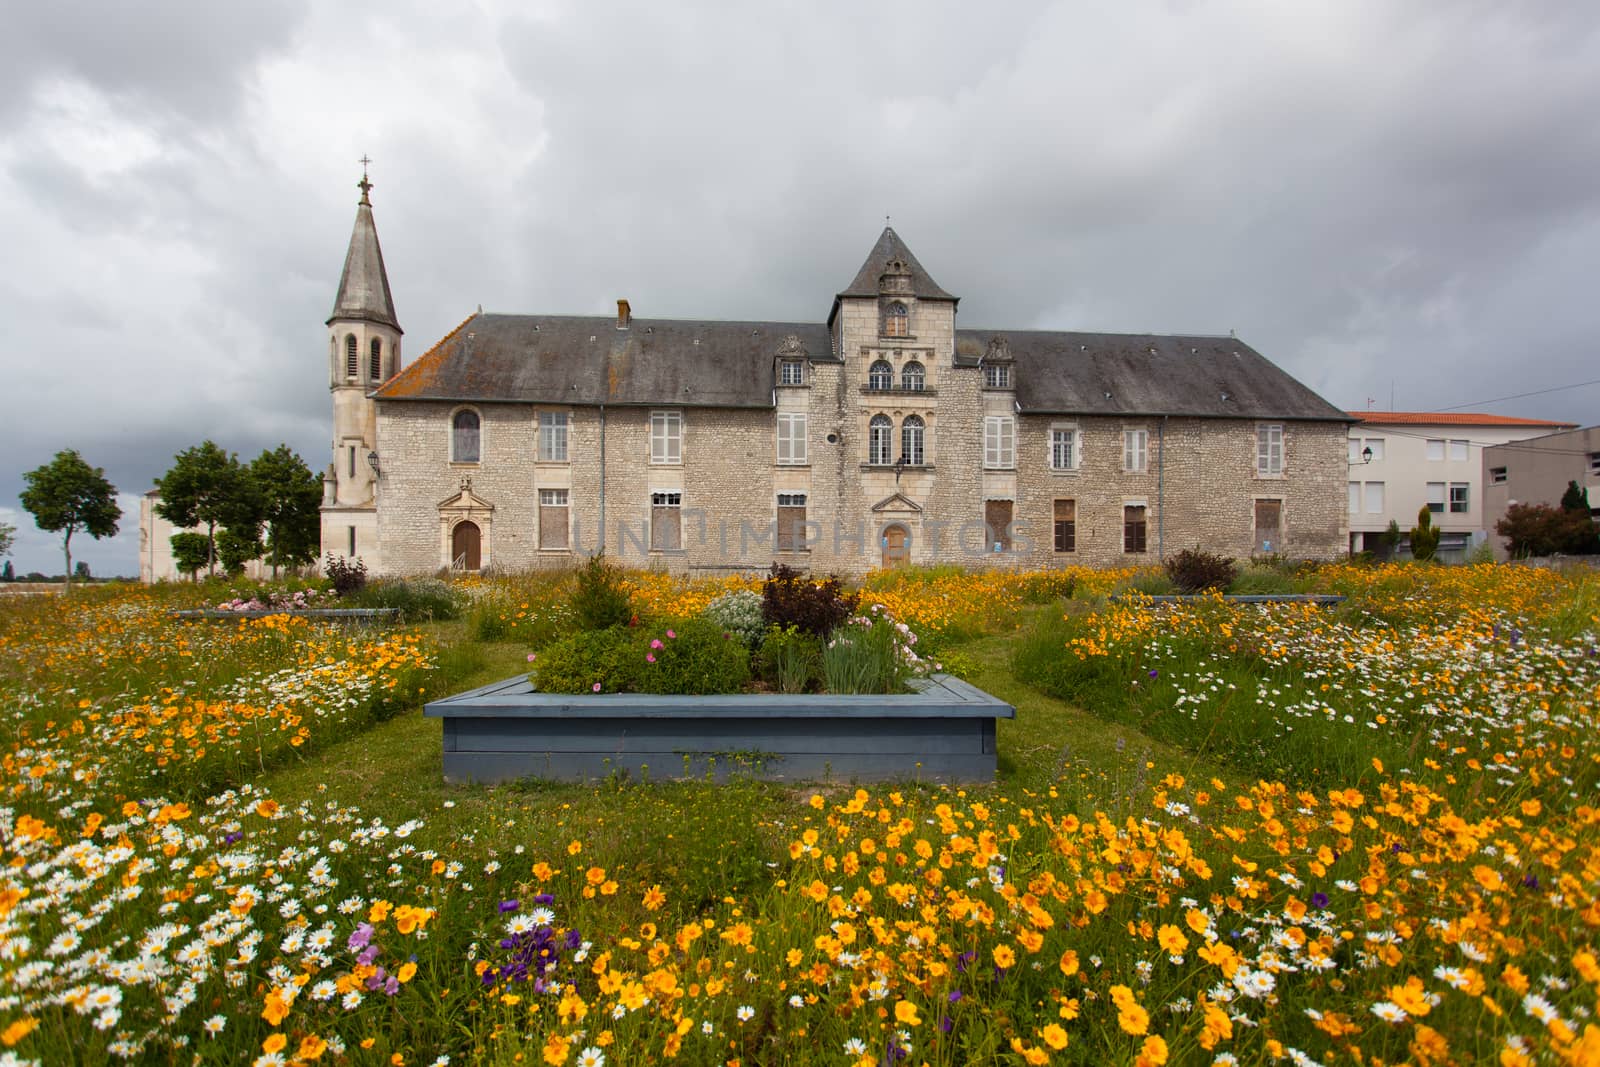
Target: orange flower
{"points": [[905, 1013]]}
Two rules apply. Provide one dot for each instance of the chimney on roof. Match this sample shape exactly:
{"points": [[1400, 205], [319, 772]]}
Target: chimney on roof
{"points": [[624, 315]]}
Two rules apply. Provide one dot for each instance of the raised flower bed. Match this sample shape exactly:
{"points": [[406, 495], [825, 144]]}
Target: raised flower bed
{"points": [[944, 729]]}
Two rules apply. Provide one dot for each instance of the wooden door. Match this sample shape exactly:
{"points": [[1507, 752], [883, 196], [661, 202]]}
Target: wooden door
{"points": [[466, 546], [896, 542], [1269, 526]]}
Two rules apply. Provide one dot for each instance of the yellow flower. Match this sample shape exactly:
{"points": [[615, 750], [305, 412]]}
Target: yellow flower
{"points": [[1004, 957], [1171, 939], [1153, 1053], [1054, 1036], [407, 971], [1069, 963], [311, 1048], [274, 1043], [905, 1013]]}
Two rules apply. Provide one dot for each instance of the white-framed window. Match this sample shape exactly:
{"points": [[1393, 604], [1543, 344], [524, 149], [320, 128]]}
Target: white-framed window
{"points": [[1459, 451], [997, 376], [552, 436], [1459, 498], [1135, 450], [554, 510], [880, 375], [1435, 450], [1594, 463], [666, 437], [791, 372], [791, 437], [1376, 444], [1354, 444], [913, 376], [912, 434], [1269, 450], [880, 441], [896, 321], [1497, 476], [465, 436], [1374, 495], [666, 522], [1436, 494], [791, 522], [1355, 497], [1063, 448], [999, 442]]}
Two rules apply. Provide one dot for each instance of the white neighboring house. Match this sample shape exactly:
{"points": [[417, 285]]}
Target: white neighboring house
{"points": [[1403, 460], [155, 547]]}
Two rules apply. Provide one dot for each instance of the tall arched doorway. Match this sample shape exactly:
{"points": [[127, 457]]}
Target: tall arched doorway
{"points": [[466, 547], [896, 545]]}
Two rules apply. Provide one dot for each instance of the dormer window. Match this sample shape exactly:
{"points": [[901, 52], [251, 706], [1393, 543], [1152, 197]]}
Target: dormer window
{"points": [[997, 376], [377, 360], [896, 320], [912, 376], [352, 357], [880, 375], [791, 372]]}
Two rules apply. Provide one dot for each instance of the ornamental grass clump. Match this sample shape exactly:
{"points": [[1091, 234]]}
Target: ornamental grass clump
{"points": [[790, 660], [872, 653]]}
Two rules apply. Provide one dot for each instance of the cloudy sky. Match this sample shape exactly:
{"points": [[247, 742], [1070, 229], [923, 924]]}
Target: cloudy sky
{"points": [[1396, 202]]}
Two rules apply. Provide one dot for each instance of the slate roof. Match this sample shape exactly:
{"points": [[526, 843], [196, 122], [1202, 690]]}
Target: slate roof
{"points": [[585, 360], [1452, 418], [888, 249], [1071, 373], [364, 285]]}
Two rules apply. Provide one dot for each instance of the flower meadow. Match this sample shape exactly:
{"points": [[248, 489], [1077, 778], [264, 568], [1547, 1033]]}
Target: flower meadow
{"points": [[1371, 836]]}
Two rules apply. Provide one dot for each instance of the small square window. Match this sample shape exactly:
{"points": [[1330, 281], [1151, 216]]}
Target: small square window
{"points": [[1376, 444], [1458, 498], [1435, 450], [997, 376], [1436, 497], [1497, 476], [792, 372], [1459, 451]]}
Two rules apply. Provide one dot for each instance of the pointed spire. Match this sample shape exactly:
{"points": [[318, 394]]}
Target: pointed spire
{"points": [[891, 256], [364, 285]]}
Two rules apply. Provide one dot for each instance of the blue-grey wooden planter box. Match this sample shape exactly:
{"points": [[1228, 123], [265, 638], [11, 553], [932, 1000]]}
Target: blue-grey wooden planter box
{"points": [[506, 731]]}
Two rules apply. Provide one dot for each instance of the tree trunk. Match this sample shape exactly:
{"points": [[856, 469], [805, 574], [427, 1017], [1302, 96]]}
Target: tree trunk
{"points": [[211, 549], [66, 547]]}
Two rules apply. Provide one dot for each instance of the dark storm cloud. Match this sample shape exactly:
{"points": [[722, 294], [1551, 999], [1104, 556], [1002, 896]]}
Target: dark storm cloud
{"points": [[1384, 199]]}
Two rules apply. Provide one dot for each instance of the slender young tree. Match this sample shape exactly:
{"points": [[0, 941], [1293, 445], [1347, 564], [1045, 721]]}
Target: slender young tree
{"points": [[8, 537], [208, 486], [291, 496], [67, 495]]}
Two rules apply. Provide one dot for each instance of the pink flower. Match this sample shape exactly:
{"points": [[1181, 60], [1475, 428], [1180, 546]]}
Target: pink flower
{"points": [[655, 642], [597, 687], [671, 634], [532, 656], [649, 657]]}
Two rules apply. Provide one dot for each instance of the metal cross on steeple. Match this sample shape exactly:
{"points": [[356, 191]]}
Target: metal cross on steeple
{"points": [[364, 185]]}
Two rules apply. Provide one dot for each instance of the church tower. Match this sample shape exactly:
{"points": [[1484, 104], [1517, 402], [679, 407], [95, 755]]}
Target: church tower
{"points": [[363, 352]]}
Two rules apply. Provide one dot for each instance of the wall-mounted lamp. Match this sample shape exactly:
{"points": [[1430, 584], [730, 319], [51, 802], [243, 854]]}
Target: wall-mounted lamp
{"points": [[372, 461], [1366, 454]]}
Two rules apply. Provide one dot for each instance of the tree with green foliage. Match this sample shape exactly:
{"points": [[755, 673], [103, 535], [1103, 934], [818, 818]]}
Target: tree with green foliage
{"points": [[190, 552], [209, 487], [1576, 498], [8, 537], [1390, 539], [67, 495], [1424, 536], [8, 573], [292, 500]]}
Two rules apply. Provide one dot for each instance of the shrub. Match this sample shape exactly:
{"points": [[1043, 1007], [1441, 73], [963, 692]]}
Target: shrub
{"points": [[739, 612], [789, 598], [599, 601], [1194, 571], [790, 660], [1424, 536], [1541, 530], [346, 575], [695, 656], [416, 598]]}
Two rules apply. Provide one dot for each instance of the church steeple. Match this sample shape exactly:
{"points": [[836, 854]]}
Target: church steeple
{"points": [[364, 285], [891, 270]]}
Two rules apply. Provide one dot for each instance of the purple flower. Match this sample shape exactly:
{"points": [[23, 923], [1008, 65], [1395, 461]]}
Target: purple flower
{"points": [[509, 905], [1319, 899], [955, 995], [544, 898], [1154, 672], [360, 937]]}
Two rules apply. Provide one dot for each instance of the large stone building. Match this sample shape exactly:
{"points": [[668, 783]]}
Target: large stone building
{"points": [[881, 434]]}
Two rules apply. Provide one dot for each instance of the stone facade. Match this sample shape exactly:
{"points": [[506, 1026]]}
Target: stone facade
{"points": [[694, 487]]}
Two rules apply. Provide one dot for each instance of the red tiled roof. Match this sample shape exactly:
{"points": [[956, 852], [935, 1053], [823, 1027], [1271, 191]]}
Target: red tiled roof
{"points": [[1453, 418]]}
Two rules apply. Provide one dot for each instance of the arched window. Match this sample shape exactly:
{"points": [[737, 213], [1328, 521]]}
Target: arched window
{"points": [[880, 375], [911, 440], [352, 357], [377, 360], [464, 437], [912, 376], [880, 441], [896, 323]]}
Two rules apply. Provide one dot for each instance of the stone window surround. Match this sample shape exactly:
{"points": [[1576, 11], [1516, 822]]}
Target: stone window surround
{"points": [[1269, 474], [1005, 458], [566, 436], [1143, 451], [799, 454], [667, 437], [1077, 448], [897, 440], [450, 442]]}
